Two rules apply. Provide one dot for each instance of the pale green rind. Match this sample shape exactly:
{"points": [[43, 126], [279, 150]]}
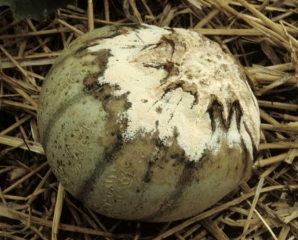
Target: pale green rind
{"points": [[141, 178]]}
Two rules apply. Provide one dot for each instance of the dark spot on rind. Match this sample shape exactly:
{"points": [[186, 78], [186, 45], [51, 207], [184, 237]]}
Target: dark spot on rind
{"points": [[189, 76], [158, 110], [156, 124], [127, 105]]}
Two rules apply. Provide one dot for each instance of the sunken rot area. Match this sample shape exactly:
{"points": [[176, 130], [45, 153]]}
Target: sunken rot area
{"points": [[148, 123]]}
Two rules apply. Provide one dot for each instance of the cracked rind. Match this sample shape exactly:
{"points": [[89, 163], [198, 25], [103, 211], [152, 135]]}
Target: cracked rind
{"points": [[176, 70], [141, 122]]}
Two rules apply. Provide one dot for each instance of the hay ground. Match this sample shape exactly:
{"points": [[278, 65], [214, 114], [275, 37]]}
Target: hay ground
{"points": [[260, 34]]}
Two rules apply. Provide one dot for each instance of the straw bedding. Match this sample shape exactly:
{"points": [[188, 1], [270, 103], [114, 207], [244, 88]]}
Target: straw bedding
{"points": [[260, 34]]}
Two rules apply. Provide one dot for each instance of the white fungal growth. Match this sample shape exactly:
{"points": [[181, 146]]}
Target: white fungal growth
{"points": [[148, 61]]}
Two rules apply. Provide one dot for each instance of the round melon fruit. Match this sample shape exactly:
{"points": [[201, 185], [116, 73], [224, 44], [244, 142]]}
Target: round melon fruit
{"points": [[147, 123]]}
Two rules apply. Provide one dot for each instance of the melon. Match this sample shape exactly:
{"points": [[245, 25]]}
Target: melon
{"points": [[146, 123]]}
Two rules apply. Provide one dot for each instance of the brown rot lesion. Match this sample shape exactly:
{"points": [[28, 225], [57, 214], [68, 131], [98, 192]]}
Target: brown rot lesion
{"points": [[215, 111], [236, 108], [172, 69], [90, 82], [190, 88], [99, 60]]}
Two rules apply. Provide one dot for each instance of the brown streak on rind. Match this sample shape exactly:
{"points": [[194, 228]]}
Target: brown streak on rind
{"points": [[102, 163], [236, 108], [112, 141], [251, 137], [58, 114], [215, 112], [247, 161], [171, 202], [165, 158]]}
